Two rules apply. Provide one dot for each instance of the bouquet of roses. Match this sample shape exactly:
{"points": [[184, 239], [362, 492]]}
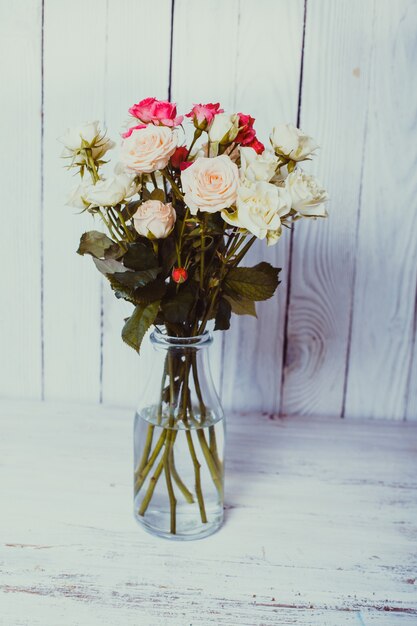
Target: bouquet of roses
{"points": [[179, 220]]}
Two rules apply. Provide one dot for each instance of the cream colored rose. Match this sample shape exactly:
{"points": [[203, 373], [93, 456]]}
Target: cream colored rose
{"points": [[149, 149], [210, 184], [260, 207], [307, 194], [291, 142], [78, 197], [154, 219], [255, 167], [112, 191], [224, 128], [85, 135]]}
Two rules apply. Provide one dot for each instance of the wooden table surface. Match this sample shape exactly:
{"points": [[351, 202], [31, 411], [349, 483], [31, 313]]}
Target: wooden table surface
{"points": [[321, 526]]}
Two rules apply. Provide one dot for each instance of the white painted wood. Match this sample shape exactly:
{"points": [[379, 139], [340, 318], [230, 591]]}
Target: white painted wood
{"points": [[386, 269], [75, 34], [201, 73], [333, 110], [321, 526], [20, 129], [101, 56], [266, 86], [130, 77]]}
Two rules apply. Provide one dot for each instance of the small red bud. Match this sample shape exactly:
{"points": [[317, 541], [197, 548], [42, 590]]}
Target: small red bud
{"points": [[179, 274]]}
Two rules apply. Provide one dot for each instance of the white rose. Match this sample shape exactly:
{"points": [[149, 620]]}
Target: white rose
{"points": [[291, 142], [78, 197], [307, 194], [89, 133], [224, 128], [112, 191], [254, 167], [154, 219], [149, 149], [210, 184], [260, 207]]}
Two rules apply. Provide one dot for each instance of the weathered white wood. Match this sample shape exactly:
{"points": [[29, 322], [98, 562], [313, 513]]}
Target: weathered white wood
{"points": [[266, 86], [20, 129], [321, 526], [131, 75], [333, 110], [201, 73], [386, 269], [75, 34], [411, 411]]}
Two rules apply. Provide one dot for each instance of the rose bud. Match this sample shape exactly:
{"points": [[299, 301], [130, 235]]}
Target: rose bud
{"points": [[179, 274], [154, 219]]}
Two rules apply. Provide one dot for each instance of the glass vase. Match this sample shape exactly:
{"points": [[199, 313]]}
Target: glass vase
{"points": [[179, 442]]}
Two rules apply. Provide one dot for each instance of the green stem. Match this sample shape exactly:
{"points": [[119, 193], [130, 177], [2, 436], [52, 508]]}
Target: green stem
{"points": [[181, 486], [212, 430], [197, 474], [141, 477], [217, 479], [173, 184], [152, 484], [167, 469], [244, 250], [124, 225], [147, 448], [153, 178], [110, 229]]}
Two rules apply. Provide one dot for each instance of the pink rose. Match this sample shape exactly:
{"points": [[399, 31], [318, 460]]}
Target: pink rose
{"points": [[203, 114], [154, 219], [130, 130], [158, 112]]}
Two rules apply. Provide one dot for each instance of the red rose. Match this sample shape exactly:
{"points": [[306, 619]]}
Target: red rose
{"points": [[179, 157]]}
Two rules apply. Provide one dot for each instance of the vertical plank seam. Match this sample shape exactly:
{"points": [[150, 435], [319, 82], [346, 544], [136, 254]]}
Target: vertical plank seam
{"points": [[410, 365], [223, 346], [42, 202], [356, 243], [171, 48], [101, 362], [291, 245]]}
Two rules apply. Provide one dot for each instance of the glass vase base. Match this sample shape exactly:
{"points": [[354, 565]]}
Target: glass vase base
{"points": [[157, 523]]}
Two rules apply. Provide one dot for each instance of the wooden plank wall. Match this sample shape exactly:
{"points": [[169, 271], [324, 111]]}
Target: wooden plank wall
{"points": [[339, 337]]}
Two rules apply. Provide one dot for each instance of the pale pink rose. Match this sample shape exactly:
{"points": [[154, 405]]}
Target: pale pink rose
{"points": [[210, 184], [203, 114], [158, 112], [130, 130], [148, 149], [154, 219]]}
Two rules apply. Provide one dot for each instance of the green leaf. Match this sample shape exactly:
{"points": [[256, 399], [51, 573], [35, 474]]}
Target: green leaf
{"points": [[151, 292], [242, 306], [99, 246], [138, 323], [168, 254], [223, 314], [158, 194], [130, 209], [140, 256], [253, 283], [132, 280], [177, 308], [109, 266]]}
